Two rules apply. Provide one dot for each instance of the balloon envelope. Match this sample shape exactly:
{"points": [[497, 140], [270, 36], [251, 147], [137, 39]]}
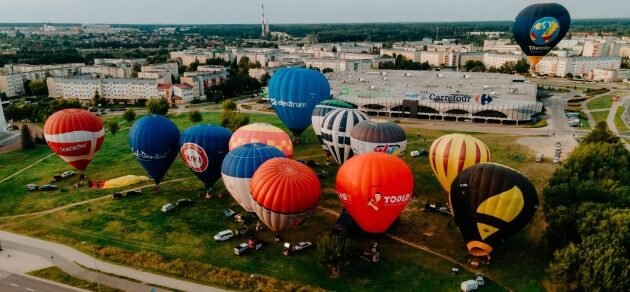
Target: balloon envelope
{"points": [[154, 141], [239, 166], [378, 136], [336, 129], [294, 92], [450, 154], [490, 203], [375, 188], [284, 193], [539, 28], [75, 135], [262, 133], [321, 109], [203, 149]]}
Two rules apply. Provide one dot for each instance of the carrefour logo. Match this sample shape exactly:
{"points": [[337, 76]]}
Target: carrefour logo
{"points": [[544, 31], [194, 157], [483, 99]]}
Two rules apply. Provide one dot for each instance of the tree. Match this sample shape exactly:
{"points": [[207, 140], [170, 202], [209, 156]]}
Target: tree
{"points": [[334, 49], [129, 115], [38, 88], [601, 134], [194, 116], [333, 251], [96, 99], [228, 105], [113, 127], [522, 66], [27, 138], [158, 106], [474, 66], [193, 66], [327, 70], [233, 120], [135, 69]]}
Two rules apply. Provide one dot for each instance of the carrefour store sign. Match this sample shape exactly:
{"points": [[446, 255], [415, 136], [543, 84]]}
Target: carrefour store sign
{"points": [[482, 99]]}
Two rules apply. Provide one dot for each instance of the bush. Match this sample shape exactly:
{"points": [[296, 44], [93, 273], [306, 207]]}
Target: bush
{"points": [[129, 115], [27, 138], [228, 105], [195, 116], [158, 106], [233, 120], [333, 251]]}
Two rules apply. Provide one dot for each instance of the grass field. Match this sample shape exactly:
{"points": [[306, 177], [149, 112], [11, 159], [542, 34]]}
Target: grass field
{"points": [[621, 125], [601, 102], [137, 225], [600, 116], [57, 275]]}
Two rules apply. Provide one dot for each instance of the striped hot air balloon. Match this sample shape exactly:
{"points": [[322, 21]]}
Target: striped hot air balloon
{"points": [[239, 166], [336, 129], [284, 193], [450, 154], [75, 135], [321, 109], [262, 133], [378, 136]]}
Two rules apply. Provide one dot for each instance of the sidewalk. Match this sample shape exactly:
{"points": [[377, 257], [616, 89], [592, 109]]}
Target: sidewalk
{"points": [[65, 257]]}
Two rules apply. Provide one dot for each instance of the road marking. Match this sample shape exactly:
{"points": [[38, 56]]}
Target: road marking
{"points": [[14, 285], [29, 289]]}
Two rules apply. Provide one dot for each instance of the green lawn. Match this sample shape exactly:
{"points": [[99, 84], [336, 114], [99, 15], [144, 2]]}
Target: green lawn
{"points": [[621, 125], [601, 102], [57, 275], [137, 225], [600, 116]]}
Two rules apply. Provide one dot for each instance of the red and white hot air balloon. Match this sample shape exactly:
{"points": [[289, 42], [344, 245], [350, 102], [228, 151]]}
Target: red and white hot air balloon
{"points": [[75, 135]]}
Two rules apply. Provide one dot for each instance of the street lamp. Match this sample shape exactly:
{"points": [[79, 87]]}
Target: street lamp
{"points": [[98, 284]]}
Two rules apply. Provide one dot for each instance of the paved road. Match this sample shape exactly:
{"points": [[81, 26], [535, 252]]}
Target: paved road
{"points": [[66, 257], [10, 282]]}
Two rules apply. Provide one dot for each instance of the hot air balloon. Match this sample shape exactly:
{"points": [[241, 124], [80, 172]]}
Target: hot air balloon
{"points": [[293, 93], [375, 188], [203, 148], [154, 141], [239, 166], [262, 133], [284, 193], [321, 109], [378, 136], [539, 28], [75, 135], [336, 128], [490, 203], [450, 154]]}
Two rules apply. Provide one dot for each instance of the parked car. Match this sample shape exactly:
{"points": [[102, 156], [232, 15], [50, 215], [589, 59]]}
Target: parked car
{"points": [[292, 249], [241, 249], [243, 231], [56, 177], [48, 187], [556, 159], [469, 285], [302, 245], [480, 280], [68, 174], [223, 235], [168, 207], [229, 213], [134, 193], [117, 196], [184, 202], [558, 144], [539, 157], [32, 187], [445, 211], [256, 243]]}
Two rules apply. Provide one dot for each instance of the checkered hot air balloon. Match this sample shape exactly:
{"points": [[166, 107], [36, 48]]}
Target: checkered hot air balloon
{"points": [[75, 135]]}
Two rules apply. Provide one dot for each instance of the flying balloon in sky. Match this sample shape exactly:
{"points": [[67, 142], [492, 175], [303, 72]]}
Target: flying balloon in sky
{"points": [[539, 28]]}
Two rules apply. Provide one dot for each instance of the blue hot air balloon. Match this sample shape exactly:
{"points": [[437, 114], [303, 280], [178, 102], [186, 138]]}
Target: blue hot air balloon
{"points": [[203, 148], [539, 28], [154, 141], [294, 93], [239, 166]]}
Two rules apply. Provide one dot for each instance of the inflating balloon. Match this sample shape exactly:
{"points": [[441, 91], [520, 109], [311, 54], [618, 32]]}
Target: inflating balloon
{"points": [[539, 28], [284, 193], [154, 141], [450, 154], [262, 133], [75, 135], [239, 166], [336, 128], [378, 136], [203, 149], [294, 92], [321, 109], [490, 203], [375, 188]]}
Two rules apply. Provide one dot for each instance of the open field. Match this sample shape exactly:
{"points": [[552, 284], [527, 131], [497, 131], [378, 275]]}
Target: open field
{"points": [[600, 116], [57, 275], [619, 123], [137, 225], [601, 102]]}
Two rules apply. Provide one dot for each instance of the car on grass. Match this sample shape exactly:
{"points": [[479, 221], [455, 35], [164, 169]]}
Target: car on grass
{"points": [[168, 208], [32, 187], [67, 174], [243, 231], [48, 187], [293, 249], [256, 243], [480, 279], [302, 245], [229, 213], [241, 249], [184, 202], [223, 235], [469, 285], [55, 178], [133, 193], [556, 159], [117, 196], [445, 211]]}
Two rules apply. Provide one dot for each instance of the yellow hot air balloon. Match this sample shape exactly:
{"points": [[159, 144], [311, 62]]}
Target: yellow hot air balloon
{"points": [[450, 154]]}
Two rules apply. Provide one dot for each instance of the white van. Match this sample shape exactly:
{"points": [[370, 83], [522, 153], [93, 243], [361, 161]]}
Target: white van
{"points": [[469, 285], [223, 235], [168, 207]]}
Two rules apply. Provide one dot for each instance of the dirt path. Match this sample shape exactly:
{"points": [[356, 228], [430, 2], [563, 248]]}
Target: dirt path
{"points": [[427, 250]]}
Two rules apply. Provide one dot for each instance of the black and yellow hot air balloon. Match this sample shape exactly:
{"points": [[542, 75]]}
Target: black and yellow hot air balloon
{"points": [[490, 203], [450, 154]]}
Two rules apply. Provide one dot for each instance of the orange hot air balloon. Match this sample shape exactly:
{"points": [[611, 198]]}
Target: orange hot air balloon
{"points": [[284, 193], [75, 135], [375, 188], [450, 154], [265, 134]]}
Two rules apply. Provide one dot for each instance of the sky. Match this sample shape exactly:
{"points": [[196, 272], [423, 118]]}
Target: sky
{"points": [[287, 11]]}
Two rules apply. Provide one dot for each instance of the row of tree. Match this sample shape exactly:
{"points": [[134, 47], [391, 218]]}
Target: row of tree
{"points": [[521, 67], [587, 208]]}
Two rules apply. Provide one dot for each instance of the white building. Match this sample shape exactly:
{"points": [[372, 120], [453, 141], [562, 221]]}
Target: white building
{"points": [[497, 60], [3, 121], [605, 75], [12, 85], [119, 62], [188, 57], [122, 90], [162, 76], [183, 93], [339, 65], [106, 71], [171, 67], [576, 66], [200, 81], [501, 46]]}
